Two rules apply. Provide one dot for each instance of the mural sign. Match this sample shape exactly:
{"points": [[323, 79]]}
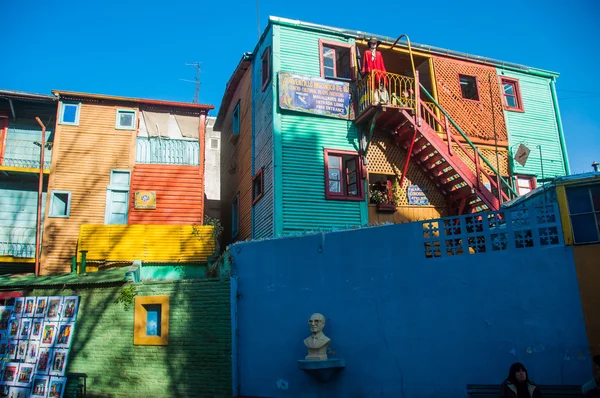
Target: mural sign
{"points": [[417, 195], [315, 95], [145, 200]]}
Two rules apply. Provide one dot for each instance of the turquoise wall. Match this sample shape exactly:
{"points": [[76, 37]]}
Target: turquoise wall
{"points": [[299, 141], [537, 126]]}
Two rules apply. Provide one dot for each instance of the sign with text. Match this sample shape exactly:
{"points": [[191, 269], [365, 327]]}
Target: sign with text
{"points": [[145, 200], [315, 95], [417, 195]]}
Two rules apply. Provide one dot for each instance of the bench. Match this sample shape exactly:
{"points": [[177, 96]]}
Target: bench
{"points": [[493, 390]]}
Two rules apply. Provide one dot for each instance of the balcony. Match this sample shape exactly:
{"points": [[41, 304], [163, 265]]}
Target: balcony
{"points": [[24, 155], [167, 151], [149, 243], [17, 242]]}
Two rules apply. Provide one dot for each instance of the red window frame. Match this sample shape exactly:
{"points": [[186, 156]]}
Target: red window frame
{"points": [[344, 176], [476, 88], [516, 95], [333, 44], [258, 178], [530, 179], [266, 67]]}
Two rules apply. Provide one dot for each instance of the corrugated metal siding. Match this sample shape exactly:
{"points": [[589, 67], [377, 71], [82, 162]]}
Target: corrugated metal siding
{"points": [[83, 158], [149, 243], [20, 149], [536, 126], [179, 191], [303, 138], [262, 144], [18, 203]]}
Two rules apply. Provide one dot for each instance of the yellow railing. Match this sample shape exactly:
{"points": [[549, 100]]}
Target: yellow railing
{"points": [[397, 91], [149, 243]]}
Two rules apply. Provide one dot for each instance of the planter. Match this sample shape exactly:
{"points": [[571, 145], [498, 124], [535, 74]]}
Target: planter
{"points": [[386, 207]]}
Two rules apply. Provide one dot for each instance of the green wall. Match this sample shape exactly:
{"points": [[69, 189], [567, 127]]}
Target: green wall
{"points": [[536, 126], [299, 142], [196, 363]]}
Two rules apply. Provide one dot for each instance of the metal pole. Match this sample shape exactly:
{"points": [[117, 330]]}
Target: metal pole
{"points": [[39, 203]]}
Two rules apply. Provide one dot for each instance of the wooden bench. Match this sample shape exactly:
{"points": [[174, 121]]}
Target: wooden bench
{"points": [[493, 390]]}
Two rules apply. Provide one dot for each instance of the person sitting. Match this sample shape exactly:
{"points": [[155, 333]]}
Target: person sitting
{"points": [[518, 385], [592, 388]]}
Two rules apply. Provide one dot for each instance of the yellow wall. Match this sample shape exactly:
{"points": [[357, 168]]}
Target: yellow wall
{"points": [[587, 264]]}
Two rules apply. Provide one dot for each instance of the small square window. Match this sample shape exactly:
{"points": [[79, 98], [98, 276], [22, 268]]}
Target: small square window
{"points": [[60, 204], [126, 119], [235, 216], [151, 320], [525, 184], [257, 186], [69, 113], [120, 178], [468, 87], [511, 94], [342, 175], [336, 59], [214, 144], [266, 68], [235, 124]]}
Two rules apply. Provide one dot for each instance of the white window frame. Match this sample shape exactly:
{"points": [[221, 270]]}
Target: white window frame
{"points": [[116, 187], [68, 210], [210, 140], [119, 127], [62, 113]]}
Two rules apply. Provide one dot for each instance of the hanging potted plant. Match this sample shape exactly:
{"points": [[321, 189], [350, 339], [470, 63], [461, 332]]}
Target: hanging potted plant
{"points": [[384, 199]]}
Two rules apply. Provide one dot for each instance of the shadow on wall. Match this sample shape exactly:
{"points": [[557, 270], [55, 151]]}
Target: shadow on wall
{"points": [[407, 325]]}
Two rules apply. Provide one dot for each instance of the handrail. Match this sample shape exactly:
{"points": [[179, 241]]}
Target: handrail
{"points": [[462, 133], [25, 153]]}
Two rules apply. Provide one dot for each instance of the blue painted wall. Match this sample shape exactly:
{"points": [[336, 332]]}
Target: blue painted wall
{"points": [[407, 325]]}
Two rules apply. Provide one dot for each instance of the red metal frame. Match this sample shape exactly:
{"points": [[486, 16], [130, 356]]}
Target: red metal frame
{"points": [[258, 175], [517, 94], [332, 43], [343, 195], [531, 179], [3, 134], [38, 226], [476, 86], [266, 56]]}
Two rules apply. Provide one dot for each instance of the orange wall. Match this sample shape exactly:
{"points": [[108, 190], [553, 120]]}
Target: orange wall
{"points": [[588, 274], [179, 194]]}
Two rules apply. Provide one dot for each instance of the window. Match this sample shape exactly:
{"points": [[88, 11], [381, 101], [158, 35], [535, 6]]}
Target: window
{"points": [[126, 119], [257, 186], [69, 113], [468, 87], [342, 175], [511, 94], [336, 59], [117, 197], [266, 68], [214, 144], [60, 204], [235, 216], [151, 320], [584, 210], [525, 184], [235, 123]]}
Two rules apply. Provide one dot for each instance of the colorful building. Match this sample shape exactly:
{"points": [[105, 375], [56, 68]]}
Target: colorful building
{"points": [[126, 182], [212, 170], [20, 150], [309, 142]]}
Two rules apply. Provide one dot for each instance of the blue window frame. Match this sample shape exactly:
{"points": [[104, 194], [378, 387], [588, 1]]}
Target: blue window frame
{"points": [[117, 197], [236, 120], [60, 204], [69, 113]]}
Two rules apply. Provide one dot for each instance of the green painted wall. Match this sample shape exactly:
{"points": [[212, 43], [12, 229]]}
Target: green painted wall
{"points": [[537, 126], [299, 141], [196, 363]]}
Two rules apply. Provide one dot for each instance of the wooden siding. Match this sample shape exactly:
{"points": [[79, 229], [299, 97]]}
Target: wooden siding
{"points": [[178, 190], [263, 103], [473, 117], [535, 126], [82, 160], [303, 138], [149, 243], [405, 214], [236, 163]]}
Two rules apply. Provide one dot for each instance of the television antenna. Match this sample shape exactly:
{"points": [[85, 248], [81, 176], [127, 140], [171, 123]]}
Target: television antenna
{"points": [[196, 65]]}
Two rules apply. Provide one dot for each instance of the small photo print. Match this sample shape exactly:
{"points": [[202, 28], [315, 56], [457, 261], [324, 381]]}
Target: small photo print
{"points": [[48, 334], [13, 328], [56, 387], [4, 389], [36, 329], [69, 309], [65, 333], [29, 307], [19, 306], [59, 362], [18, 392], [12, 348], [39, 386], [25, 375], [5, 313], [54, 304], [32, 351], [3, 348], [21, 350], [40, 307], [43, 363], [10, 373], [25, 329]]}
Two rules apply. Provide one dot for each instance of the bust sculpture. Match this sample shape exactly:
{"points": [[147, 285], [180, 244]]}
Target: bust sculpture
{"points": [[317, 342]]}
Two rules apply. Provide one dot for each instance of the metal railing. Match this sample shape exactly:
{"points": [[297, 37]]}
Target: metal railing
{"points": [[397, 90], [167, 151], [25, 154], [17, 242]]}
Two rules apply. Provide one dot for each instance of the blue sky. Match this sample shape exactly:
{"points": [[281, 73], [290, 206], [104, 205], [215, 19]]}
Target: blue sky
{"points": [[139, 48]]}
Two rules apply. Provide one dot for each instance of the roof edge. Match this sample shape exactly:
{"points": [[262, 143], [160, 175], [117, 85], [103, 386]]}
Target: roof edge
{"points": [[230, 88]]}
